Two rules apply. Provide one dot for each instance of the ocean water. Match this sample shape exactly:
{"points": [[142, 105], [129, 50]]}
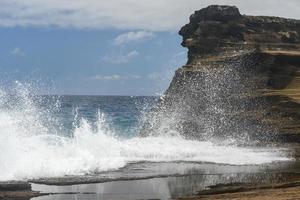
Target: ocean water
{"points": [[45, 136]]}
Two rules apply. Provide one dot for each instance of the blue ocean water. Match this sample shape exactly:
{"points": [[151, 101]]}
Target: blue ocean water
{"points": [[124, 114]]}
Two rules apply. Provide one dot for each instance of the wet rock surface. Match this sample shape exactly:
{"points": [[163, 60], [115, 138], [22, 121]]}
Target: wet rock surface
{"points": [[17, 190], [14, 185], [290, 190]]}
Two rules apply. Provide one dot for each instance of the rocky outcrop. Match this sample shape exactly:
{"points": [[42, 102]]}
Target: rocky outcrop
{"points": [[241, 80], [17, 190]]}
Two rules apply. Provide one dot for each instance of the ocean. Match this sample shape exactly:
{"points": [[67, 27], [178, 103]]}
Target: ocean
{"points": [[48, 136]]}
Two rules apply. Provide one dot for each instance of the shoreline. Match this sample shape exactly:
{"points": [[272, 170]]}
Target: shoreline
{"points": [[289, 190], [179, 187], [19, 190], [241, 191], [183, 180]]}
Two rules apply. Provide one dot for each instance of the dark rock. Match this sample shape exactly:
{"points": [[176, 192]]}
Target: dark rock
{"points": [[17, 190], [216, 13], [14, 186], [241, 80]]}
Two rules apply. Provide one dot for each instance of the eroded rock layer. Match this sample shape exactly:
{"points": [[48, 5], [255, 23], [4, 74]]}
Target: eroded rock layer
{"points": [[241, 80]]}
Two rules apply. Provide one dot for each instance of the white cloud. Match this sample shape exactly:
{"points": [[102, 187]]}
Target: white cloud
{"points": [[154, 76], [17, 52], [154, 15], [134, 77], [113, 77], [132, 37], [100, 77], [120, 59]]}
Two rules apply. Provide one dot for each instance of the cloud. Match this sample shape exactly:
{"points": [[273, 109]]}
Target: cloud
{"points": [[132, 37], [120, 59], [113, 77], [100, 77], [134, 77], [154, 76], [159, 15], [17, 52]]}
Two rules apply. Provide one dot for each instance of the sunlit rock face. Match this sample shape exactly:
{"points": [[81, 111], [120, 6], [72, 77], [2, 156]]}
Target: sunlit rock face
{"points": [[241, 81]]}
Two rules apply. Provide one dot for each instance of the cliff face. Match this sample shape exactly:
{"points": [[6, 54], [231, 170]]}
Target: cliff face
{"points": [[241, 80]]}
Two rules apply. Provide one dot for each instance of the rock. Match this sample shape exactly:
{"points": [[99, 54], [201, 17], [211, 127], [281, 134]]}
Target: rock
{"points": [[17, 190], [216, 13], [14, 185], [290, 190], [241, 80]]}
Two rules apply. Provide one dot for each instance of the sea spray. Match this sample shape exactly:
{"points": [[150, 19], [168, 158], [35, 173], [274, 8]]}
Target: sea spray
{"points": [[33, 144]]}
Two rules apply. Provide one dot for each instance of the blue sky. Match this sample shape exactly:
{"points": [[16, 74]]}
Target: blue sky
{"points": [[70, 61], [116, 47]]}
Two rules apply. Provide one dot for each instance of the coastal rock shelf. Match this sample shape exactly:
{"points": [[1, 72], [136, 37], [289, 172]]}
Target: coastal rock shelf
{"points": [[17, 190], [241, 80]]}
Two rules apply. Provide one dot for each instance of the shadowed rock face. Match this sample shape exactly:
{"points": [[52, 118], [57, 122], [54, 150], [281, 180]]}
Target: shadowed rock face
{"points": [[241, 80], [222, 29]]}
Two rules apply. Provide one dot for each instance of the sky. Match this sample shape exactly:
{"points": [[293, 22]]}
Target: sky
{"points": [[100, 47]]}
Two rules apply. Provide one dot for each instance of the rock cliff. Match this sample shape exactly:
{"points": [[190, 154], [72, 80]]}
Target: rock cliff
{"points": [[241, 80]]}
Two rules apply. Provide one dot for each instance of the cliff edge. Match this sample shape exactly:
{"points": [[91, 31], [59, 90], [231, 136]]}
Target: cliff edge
{"points": [[241, 80]]}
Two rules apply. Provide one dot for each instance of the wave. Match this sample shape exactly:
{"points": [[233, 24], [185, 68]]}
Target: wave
{"points": [[32, 144]]}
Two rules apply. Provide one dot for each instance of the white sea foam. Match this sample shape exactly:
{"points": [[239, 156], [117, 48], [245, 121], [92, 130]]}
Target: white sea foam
{"points": [[28, 149]]}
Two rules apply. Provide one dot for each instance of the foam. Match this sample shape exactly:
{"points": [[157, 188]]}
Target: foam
{"points": [[29, 149]]}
